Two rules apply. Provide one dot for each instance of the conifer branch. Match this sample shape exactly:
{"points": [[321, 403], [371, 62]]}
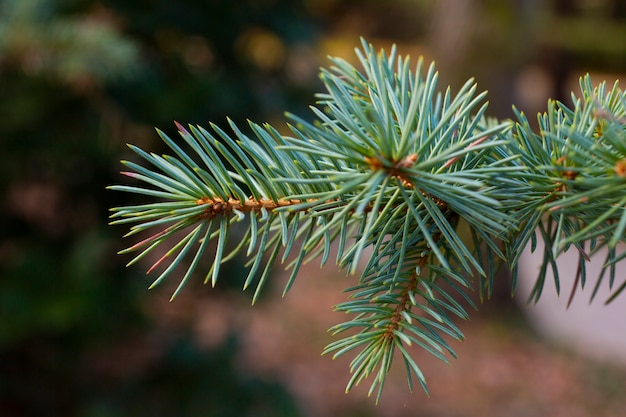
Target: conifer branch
{"points": [[394, 166]]}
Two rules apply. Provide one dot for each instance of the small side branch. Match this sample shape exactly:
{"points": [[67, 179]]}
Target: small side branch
{"points": [[218, 206]]}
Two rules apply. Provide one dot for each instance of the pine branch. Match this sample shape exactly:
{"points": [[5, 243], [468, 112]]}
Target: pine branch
{"points": [[578, 195], [392, 165]]}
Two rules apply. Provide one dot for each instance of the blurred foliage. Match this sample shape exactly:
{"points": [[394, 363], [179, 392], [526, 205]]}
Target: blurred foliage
{"points": [[185, 381], [69, 49], [236, 60], [77, 78]]}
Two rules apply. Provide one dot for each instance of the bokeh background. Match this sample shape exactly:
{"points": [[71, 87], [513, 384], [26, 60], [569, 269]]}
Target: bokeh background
{"points": [[79, 333]]}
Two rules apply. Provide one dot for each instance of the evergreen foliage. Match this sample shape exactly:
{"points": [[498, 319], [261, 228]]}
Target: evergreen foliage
{"points": [[390, 172], [75, 51]]}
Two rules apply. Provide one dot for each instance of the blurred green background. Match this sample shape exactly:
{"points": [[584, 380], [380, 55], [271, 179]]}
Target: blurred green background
{"points": [[79, 333]]}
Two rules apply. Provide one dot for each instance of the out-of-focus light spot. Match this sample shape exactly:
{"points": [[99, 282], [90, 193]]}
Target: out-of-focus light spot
{"points": [[197, 54], [301, 65], [262, 48]]}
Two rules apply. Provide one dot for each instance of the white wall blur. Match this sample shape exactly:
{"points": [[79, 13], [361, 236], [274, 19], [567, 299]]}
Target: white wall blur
{"points": [[594, 329]]}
